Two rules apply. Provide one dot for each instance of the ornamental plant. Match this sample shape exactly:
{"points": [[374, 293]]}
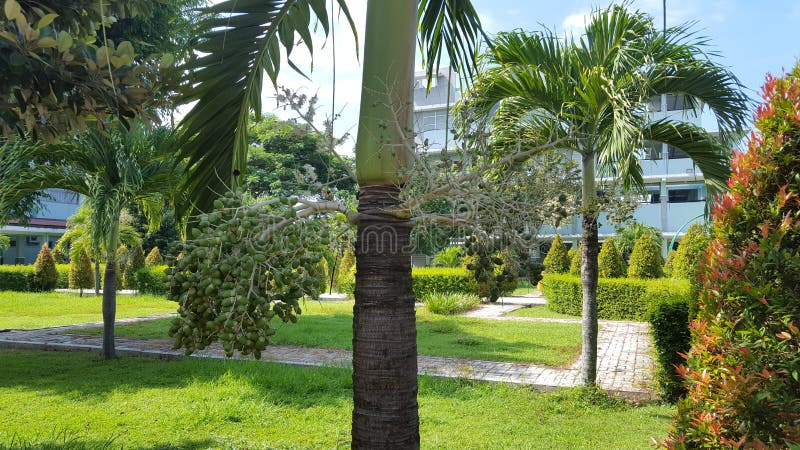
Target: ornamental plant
{"points": [[133, 264], [646, 260], [687, 257], [81, 274], [609, 261], [154, 258], [557, 260], [575, 261], [45, 274], [743, 370]]}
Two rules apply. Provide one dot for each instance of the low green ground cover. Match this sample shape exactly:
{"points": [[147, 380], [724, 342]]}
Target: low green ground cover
{"points": [[137, 402], [329, 324], [540, 312], [27, 310]]}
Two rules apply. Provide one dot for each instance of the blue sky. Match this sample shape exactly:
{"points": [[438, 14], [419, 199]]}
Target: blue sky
{"points": [[752, 38]]}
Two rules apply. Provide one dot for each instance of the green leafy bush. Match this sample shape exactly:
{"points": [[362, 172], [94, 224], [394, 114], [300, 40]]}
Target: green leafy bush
{"points": [[686, 261], [575, 260], [609, 262], [16, 278], [122, 261], [81, 272], [448, 257], [646, 260], [450, 302], [669, 326], [743, 370], [134, 262], [531, 270], [154, 258], [428, 280], [63, 276], [617, 298], [45, 275], [152, 280], [557, 260], [495, 272]]}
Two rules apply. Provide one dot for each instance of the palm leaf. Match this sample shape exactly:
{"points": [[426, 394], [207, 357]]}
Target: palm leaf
{"points": [[244, 41]]}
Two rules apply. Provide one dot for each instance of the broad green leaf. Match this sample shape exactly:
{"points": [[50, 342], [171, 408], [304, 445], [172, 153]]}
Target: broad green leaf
{"points": [[12, 9], [45, 21]]}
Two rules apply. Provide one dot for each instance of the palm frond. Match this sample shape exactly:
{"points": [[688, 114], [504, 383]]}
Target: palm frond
{"points": [[244, 41]]}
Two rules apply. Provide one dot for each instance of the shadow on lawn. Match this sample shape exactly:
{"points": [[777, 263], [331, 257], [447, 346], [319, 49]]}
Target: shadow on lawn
{"points": [[79, 444], [83, 376]]}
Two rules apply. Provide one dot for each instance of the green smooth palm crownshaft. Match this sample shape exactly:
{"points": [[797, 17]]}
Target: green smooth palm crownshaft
{"points": [[591, 94]]}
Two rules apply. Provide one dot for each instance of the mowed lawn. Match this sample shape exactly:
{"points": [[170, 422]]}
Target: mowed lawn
{"points": [[74, 400], [329, 325], [28, 310]]}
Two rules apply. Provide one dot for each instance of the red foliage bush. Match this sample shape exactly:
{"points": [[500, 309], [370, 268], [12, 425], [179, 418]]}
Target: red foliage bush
{"points": [[742, 373]]}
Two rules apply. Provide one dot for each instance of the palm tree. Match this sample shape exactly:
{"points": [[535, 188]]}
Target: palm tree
{"points": [[112, 169], [591, 95], [245, 42]]}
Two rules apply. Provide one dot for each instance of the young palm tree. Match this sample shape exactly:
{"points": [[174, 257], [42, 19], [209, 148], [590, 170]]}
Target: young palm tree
{"points": [[591, 95], [112, 169], [245, 42]]}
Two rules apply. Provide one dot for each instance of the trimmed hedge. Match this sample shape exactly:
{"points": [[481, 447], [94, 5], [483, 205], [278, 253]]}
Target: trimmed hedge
{"points": [[16, 278], [617, 298], [669, 325], [428, 280], [152, 280]]}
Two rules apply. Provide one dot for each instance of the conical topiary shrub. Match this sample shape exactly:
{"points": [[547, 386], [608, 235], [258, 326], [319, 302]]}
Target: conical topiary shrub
{"points": [[557, 260], [81, 272], [646, 260], [575, 260], [45, 275], [134, 263], [154, 258], [687, 257], [609, 262]]}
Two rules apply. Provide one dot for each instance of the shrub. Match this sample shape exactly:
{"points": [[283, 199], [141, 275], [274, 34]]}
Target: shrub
{"points": [[16, 278], [448, 257], [81, 272], [531, 270], [152, 280], [609, 261], [743, 370], [575, 261], [646, 260], [154, 258], [122, 262], [63, 276], [557, 260], [495, 273], [669, 326], [617, 298], [134, 262], [450, 302], [686, 261], [344, 273], [428, 280], [45, 275]]}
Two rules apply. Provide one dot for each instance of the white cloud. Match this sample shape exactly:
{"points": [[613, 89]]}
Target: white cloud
{"points": [[574, 24]]}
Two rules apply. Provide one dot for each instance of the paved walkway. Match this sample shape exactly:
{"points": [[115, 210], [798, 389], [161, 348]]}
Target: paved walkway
{"points": [[624, 366]]}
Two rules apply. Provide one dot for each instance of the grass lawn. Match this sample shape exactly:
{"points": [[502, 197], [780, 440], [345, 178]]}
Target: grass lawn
{"points": [[330, 325], [27, 310], [138, 402], [540, 312], [524, 287]]}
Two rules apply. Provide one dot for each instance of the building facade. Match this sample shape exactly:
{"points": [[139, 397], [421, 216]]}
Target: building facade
{"points": [[675, 189], [47, 225]]}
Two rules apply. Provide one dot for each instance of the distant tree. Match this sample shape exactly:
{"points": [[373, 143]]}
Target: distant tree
{"points": [[557, 260], [45, 274], [646, 260], [80, 275], [5, 242], [154, 258], [609, 262]]}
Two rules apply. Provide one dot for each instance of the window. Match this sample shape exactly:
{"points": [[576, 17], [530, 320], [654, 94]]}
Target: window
{"points": [[63, 196], [651, 151], [654, 104], [676, 102], [653, 195], [686, 193], [676, 153], [434, 120]]}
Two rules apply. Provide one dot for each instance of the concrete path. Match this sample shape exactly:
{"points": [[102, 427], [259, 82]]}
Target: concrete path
{"points": [[624, 367]]}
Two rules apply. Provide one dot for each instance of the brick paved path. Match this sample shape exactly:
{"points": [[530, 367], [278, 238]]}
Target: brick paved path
{"points": [[624, 367]]}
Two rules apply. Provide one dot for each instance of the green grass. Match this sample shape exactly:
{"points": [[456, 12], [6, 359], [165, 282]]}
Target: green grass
{"points": [[28, 310], [540, 312], [329, 325], [524, 287], [146, 403]]}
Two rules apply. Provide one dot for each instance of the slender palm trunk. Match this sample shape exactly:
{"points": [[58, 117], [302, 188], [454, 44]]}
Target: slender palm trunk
{"points": [[385, 410], [384, 330], [110, 294], [589, 273]]}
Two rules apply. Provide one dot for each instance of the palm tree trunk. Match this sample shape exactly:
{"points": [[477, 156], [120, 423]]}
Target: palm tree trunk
{"points": [[385, 410], [384, 330], [110, 293], [589, 272]]}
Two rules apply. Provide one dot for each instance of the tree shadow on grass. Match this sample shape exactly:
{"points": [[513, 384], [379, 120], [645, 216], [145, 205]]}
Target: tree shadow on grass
{"points": [[82, 376], [66, 440]]}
